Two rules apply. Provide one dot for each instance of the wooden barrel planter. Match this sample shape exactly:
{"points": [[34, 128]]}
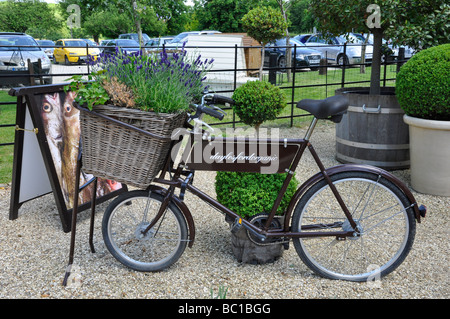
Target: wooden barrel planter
{"points": [[373, 131]]}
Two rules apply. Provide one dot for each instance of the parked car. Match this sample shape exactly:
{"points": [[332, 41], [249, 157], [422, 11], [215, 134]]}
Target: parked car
{"points": [[73, 51], [125, 45], [48, 47], [306, 57], [14, 57], [102, 44], [333, 48], [302, 37], [135, 37], [158, 42], [409, 52], [90, 43]]}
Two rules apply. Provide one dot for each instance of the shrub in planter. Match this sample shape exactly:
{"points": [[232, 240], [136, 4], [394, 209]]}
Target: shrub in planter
{"points": [[258, 101], [249, 194], [422, 85], [252, 194], [423, 91]]}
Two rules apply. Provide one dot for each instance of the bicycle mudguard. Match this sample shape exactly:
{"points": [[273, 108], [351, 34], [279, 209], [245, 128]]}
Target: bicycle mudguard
{"points": [[184, 209], [418, 211]]}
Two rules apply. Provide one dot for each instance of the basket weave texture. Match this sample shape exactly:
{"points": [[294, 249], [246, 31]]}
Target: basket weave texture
{"points": [[113, 151]]}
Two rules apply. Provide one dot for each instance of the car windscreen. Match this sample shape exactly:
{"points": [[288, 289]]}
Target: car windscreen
{"points": [[13, 43], [75, 43], [126, 43]]}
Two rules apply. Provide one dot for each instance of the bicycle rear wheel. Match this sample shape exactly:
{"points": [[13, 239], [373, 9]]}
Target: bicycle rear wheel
{"points": [[125, 220], [382, 213]]}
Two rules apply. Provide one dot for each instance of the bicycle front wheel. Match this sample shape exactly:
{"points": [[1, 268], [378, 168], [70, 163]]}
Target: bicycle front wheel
{"points": [[125, 221], [382, 213]]}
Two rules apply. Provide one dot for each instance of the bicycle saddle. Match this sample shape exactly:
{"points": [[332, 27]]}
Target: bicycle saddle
{"points": [[331, 108]]}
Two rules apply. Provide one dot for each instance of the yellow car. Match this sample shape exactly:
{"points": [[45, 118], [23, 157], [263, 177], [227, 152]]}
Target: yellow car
{"points": [[74, 51]]}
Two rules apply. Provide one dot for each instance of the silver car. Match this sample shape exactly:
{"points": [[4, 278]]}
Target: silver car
{"points": [[333, 48], [16, 49]]}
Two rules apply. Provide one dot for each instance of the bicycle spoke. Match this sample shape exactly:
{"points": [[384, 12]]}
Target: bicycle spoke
{"points": [[382, 236]]}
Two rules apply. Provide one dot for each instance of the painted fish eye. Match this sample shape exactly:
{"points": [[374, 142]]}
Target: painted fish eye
{"points": [[68, 108], [47, 107]]}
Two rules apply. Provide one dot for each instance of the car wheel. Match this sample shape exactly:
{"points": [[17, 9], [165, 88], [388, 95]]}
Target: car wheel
{"points": [[282, 64], [342, 59], [66, 60]]}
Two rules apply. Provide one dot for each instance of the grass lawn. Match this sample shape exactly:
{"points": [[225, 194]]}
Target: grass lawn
{"points": [[7, 116], [311, 85]]}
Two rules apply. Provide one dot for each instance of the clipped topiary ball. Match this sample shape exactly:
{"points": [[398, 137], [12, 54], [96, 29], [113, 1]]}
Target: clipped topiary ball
{"points": [[248, 194], [423, 85], [258, 101]]}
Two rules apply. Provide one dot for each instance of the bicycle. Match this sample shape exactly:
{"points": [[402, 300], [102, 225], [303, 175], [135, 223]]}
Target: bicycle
{"points": [[348, 222]]}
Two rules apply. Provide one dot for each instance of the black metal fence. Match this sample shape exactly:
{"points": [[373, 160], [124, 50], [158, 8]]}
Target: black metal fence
{"points": [[301, 82]]}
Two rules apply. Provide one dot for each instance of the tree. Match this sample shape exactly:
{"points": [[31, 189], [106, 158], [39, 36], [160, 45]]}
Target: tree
{"points": [[35, 17], [223, 15], [153, 17], [300, 16], [264, 24], [407, 22], [284, 7]]}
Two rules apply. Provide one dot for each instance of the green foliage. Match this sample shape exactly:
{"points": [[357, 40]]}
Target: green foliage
{"points": [[33, 17], [156, 17], [423, 86], [302, 21], [248, 194], [222, 15], [264, 24], [160, 83], [416, 23], [258, 101], [88, 93]]}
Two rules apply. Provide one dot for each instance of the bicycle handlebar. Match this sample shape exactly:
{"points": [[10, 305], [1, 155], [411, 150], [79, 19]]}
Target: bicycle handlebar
{"points": [[212, 99], [220, 99], [214, 113]]}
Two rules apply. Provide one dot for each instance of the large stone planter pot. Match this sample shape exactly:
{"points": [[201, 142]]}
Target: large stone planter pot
{"points": [[430, 155], [373, 132], [246, 250]]}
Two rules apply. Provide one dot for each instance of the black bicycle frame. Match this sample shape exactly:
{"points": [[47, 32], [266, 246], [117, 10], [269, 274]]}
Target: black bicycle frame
{"points": [[244, 155]]}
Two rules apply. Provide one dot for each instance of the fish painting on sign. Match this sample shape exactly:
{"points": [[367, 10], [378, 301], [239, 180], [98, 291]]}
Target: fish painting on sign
{"points": [[62, 129]]}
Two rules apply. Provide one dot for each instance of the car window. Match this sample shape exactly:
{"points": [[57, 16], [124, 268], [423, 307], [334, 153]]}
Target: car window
{"points": [[125, 42], [18, 41], [75, 43], [316, 39], [281, 42], [296, 42]]}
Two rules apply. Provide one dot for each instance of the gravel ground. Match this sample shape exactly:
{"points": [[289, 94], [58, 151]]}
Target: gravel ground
{"points": [[34, 253]]}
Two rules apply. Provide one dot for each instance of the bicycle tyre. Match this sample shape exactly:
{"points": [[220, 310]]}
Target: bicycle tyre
{"points": [[125, 219], [380, 209]]}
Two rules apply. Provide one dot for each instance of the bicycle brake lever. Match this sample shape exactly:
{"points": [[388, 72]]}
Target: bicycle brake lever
{"points": [[201, 123]]}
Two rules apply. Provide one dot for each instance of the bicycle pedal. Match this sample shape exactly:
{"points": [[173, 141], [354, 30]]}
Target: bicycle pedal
{"points": [[237, 224]]}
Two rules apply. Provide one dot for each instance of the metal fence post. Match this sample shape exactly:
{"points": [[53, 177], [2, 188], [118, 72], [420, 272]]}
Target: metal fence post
{"points": [[344, 64], [235, 80], [293, 84]]}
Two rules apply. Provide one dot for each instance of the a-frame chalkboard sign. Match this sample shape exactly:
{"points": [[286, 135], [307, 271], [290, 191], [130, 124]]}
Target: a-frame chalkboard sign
{"points": [[46, 151]]}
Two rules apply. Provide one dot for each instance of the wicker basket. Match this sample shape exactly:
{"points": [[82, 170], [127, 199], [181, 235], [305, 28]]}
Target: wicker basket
{"points": [[121, 152]]}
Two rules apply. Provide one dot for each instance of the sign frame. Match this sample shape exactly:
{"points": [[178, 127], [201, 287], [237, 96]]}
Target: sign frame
{"points": [[31, 135]]}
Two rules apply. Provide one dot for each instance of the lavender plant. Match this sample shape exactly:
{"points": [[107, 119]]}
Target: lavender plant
{"points": [[163, 83]]}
